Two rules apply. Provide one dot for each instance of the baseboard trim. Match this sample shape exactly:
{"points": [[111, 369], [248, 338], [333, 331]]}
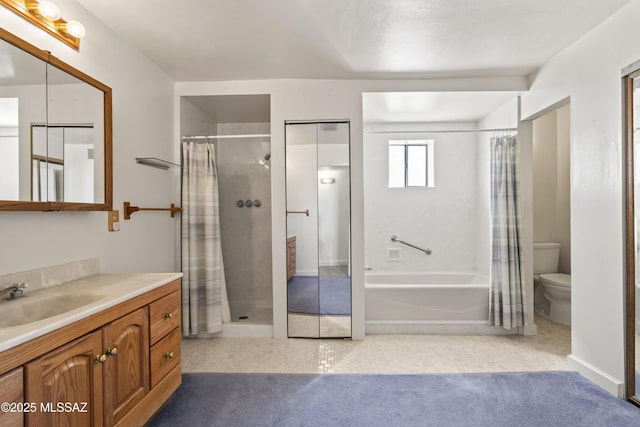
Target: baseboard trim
{"points": [[246, 330], [427, 328], [529, 330], [597, 376]]}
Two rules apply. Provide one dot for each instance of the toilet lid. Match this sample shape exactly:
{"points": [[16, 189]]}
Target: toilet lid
{"points": [[558, 279]]}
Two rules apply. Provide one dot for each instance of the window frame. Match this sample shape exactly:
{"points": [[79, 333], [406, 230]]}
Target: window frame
{"points": [[428, 144]]}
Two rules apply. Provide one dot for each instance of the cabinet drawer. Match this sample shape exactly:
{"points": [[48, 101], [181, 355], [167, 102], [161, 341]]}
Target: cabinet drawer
{"points": [[164, 315], [165, 355], [11, 391]]}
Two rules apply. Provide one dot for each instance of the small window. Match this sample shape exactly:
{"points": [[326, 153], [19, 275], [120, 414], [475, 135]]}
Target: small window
{"points": [[411, 163]]}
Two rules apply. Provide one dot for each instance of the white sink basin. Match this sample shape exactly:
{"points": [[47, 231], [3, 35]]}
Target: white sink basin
{"points": [[32, 308], [45, 309]]}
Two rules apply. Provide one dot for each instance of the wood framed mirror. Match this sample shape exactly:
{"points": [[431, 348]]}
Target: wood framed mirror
{"points": [[631, 93], [45, 104]]}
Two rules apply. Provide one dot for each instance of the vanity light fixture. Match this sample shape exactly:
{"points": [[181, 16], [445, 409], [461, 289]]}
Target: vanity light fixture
{"points": [[75, 29], [46, 15], [48, 10]]}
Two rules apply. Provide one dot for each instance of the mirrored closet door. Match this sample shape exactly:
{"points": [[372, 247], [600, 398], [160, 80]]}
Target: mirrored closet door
{"points": [[318, 229]]}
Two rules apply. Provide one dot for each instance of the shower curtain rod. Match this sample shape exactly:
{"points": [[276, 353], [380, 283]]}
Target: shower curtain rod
{"points": [[253, 135], [443, 131]]}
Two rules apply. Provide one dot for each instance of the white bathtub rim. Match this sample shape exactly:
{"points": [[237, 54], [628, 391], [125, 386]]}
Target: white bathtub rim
{"points": [[426, 285], [396, 277]]}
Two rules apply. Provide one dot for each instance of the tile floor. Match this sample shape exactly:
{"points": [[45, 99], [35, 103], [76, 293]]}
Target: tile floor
{"points": [[384, 354]]}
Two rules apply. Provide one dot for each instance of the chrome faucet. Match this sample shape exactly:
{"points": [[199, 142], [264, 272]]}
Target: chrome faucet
{"points": [[15, 291]]}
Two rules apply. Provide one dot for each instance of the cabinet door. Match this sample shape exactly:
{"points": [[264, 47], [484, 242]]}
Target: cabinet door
{"points": [[12, 391], [126, 371], [66, 385]]}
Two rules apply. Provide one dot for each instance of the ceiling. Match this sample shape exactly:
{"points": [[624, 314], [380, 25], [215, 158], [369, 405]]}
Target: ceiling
{"points": [[205, 40], [416, 107], [201, 40]]}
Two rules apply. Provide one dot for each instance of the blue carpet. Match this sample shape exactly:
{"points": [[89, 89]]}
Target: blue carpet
{"points": [[331, 296], [496, 400]]}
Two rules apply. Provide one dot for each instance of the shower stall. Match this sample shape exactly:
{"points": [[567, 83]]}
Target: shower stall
{"points": [[239, 128]]}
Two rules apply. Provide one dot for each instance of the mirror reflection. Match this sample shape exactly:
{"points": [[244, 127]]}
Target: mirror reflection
{"points": [[635, 95], [63, 163], [318, 229], [54, 132], [23, 100]]}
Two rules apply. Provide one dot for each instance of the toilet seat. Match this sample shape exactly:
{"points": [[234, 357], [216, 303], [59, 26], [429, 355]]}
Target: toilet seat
{"points": [[558, 279]]}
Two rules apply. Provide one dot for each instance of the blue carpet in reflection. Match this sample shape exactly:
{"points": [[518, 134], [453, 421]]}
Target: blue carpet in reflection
{"points": [[328, 295]]}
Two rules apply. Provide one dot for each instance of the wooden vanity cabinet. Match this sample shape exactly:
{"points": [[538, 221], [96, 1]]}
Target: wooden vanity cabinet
{"points": [[118, 374]]}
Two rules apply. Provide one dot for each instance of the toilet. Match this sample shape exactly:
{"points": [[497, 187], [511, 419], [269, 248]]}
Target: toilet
{"points": [[556, 287]]}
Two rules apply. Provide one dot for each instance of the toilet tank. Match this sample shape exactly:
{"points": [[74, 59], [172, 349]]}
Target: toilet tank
{"points": [[545, 257]]}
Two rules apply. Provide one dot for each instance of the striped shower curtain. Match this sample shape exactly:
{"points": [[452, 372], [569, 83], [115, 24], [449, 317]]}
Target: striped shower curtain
{"points": [[507, 306], [204, 294]]}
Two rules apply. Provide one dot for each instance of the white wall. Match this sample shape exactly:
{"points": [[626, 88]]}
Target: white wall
{"points": [[442, 218], [9, 160], [334, 212], [589, 72], [551, 188], [194, 121], [563, 205], [142, 127], [545, 177], [31, 109]]}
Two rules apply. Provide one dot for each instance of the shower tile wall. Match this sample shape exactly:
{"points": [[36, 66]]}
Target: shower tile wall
{"points": [[244, 174]]}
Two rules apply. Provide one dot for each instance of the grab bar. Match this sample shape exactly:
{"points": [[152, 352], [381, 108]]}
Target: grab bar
{"points": [[299, 212], [396, 240]]}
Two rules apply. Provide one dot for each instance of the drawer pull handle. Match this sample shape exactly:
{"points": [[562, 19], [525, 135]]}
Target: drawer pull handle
{"points": [[101, 358], [112, 351], [169, 355], [168, 315]]}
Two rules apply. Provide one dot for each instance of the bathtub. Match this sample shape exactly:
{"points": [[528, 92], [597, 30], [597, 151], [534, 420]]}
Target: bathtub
{"points": [[408, 303]]}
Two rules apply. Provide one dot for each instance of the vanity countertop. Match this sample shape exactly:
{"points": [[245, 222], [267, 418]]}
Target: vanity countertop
{"points": [[102, 291]]}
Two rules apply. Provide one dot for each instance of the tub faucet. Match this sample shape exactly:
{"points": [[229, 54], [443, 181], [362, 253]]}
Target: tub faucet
{"points": [[15, 291]]}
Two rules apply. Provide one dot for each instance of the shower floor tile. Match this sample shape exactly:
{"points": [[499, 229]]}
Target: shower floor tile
{"points": [[247, 313]]}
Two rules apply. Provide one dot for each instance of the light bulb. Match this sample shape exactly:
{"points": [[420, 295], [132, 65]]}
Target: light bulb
{"points": [[49, 10], [76, 29]]}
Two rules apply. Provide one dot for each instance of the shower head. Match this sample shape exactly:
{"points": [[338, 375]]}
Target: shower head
{"points": [[267, 156]]}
